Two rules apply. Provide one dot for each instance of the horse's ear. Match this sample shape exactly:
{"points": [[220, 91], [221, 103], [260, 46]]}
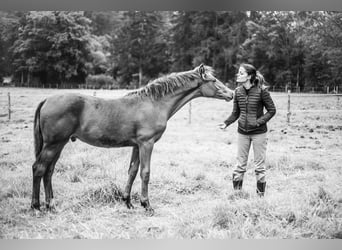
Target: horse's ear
{"points": [[201, 70]]}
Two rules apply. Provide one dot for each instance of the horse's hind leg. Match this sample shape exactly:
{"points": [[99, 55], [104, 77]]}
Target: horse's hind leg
{"points": [[48, 176], [145, 151], [42, 167], [38, 171], [132, 173]]}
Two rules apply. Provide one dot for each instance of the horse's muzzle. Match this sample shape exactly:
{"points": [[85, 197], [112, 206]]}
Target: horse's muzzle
{"points": [[226, 94]]}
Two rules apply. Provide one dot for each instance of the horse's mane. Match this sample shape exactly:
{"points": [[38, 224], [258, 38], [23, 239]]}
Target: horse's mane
{"points": [[165, 85]]}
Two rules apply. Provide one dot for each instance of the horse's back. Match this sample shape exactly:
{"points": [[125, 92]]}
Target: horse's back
{"points": [[98, 121]]}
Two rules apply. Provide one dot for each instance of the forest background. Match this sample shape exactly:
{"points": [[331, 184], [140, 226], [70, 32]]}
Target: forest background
{"points": [[300, 50]]}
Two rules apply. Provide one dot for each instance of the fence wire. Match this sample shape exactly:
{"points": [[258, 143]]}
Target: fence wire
{"points": [[16, 104]]}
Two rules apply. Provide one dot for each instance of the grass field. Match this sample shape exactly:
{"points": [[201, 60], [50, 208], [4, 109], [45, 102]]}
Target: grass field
{"points": [[190, 184]]}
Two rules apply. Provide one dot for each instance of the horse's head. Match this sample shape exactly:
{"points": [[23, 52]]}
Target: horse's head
{"points": [[210, 86]]}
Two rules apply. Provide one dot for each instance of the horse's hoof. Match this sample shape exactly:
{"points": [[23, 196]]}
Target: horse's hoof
{"points": [[148, 208], [51, 209], [51, 206], [36, 212], [35, 207], [149, 212], [129, 205]]}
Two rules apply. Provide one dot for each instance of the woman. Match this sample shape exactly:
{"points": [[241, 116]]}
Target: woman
{"points": [[249, 101]]}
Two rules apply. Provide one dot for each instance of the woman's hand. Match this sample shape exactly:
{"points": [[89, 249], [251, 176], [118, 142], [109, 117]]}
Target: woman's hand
{"points": [[222, 126]]}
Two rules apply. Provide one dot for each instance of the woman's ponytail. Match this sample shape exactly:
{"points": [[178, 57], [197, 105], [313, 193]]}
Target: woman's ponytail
{"points": [[259, 80]]}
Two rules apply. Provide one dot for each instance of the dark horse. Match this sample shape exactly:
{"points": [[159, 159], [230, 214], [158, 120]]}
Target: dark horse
{"points": [[137, 119]]}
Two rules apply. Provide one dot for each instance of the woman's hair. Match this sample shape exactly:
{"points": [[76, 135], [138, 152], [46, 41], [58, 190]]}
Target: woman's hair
{"points": [[256, 77]]}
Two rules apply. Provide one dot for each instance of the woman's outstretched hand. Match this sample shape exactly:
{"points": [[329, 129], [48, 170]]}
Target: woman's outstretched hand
{"points": [[222, 126]]}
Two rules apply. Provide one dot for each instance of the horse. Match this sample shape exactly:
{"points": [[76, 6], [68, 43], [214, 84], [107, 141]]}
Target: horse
{"points": [[137, 119]]}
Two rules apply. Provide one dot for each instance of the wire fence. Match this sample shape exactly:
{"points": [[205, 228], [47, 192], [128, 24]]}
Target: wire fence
{"points": [[294, 89], [16, 103]]}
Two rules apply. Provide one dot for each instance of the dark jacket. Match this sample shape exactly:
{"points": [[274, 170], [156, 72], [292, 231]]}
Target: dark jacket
{"points": [[248, 107]]}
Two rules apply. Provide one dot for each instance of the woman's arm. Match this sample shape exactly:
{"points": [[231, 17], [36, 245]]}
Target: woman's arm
{"points": [[270, 107], [235, 113]]}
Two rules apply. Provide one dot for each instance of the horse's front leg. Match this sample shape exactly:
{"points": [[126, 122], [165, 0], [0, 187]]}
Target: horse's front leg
{"points": [[145, 151], [132, 173]]}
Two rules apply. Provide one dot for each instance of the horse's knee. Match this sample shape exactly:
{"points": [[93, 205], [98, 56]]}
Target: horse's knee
{"points": [[132, 172], [38, 169], [145, 175]]}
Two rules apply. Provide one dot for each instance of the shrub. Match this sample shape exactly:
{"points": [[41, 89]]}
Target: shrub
{"points": [[101, 81]]}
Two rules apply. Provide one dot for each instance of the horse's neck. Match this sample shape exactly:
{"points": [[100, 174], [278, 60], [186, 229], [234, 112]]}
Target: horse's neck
{"points": [[175, 102]]}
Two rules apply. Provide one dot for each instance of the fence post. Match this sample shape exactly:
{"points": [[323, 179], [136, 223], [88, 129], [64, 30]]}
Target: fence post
{"points": [[338, 100], [327, 89], [288, 107], [9, 106], [189, 112]]}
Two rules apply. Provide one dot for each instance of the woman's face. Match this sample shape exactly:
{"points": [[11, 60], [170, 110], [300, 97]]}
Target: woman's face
{"points": [[242, 76]]}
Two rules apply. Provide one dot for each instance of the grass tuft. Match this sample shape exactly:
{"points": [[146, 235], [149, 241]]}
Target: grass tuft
{"points": [[225, 218], [238, 195], [323, 204], [107, 194]]}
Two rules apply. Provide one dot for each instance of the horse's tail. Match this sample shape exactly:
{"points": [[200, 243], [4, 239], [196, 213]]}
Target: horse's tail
{"points": [[37, 133]]}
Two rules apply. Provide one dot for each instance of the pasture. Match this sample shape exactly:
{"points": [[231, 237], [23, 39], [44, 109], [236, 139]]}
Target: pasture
{"points": [[190, 184]]}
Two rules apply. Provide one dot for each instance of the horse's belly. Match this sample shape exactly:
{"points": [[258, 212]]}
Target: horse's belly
{"points": [[105, 141], [110, 142]]}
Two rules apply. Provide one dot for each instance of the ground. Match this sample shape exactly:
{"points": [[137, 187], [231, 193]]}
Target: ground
{"points": [[190, 184]]}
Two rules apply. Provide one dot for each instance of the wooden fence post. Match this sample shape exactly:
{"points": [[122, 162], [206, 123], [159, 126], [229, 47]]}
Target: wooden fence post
{"points": [[288, 107], [189, 112], [9, 106], [338, 101]]}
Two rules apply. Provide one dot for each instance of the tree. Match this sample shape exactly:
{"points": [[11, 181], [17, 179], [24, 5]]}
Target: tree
{"points": [[53, 46], [105, 22], [323, 41], [208, 37], [9, 22], [140, 47], [272, 46], [231, 32], [182, 40]]}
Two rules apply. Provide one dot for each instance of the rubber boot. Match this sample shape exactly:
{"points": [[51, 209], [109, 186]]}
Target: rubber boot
{"points": [[261, 188], [237, 185]]}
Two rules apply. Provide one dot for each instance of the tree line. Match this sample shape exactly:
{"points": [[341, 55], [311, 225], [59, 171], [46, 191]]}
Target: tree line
{"points": [[297, 49]]}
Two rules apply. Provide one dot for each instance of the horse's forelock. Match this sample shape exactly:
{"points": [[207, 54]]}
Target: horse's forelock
{"points": [[208, 69]]}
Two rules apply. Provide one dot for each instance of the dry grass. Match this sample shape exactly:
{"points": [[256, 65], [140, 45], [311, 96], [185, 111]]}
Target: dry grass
{"points": [[190, 184]]}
